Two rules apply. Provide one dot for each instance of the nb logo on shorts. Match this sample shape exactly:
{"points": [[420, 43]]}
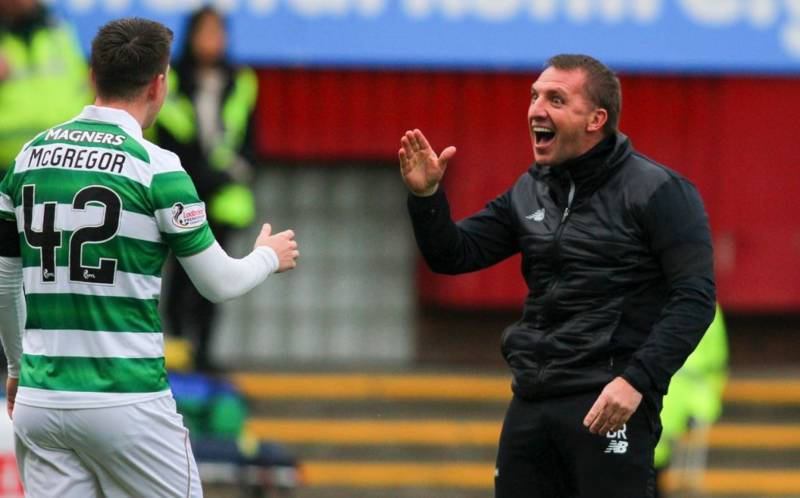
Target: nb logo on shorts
{"points": [[618, 447], [618, 443]]}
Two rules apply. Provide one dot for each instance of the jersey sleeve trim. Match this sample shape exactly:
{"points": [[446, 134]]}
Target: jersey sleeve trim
{"points": [[191, 243]]}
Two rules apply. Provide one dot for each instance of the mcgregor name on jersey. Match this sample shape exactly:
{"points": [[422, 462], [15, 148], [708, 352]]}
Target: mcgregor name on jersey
{"points": [[70, 157]]}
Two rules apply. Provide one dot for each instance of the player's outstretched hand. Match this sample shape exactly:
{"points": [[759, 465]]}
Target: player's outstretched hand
{"points": [[282, 243], [421, 168]]}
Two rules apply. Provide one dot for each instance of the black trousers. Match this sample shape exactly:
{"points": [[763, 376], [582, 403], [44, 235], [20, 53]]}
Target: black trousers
{"points": [[546, 452]]}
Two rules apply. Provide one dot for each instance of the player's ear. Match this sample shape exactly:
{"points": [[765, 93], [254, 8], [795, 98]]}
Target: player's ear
{"points": [[93, 80], [157, 87], [597, 120]]}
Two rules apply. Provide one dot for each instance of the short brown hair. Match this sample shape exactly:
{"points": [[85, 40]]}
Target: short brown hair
{"points": [[127, 54], [602, 85]]}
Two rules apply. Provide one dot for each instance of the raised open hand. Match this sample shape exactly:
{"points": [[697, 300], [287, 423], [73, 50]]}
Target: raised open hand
{"points": [[421, 168]]}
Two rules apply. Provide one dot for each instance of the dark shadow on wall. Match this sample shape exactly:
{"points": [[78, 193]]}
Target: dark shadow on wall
{"points": [[472, 338]]}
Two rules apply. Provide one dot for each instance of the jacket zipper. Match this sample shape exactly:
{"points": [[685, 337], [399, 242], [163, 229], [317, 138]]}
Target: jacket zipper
{"points": [[564, 216], [560, 230], [557, 242]]}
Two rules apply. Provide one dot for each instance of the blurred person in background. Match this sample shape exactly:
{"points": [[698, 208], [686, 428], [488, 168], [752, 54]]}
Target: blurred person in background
{"points": [[206, 121], [692, 404], [44, 79], [617, 256], [43, 74]]}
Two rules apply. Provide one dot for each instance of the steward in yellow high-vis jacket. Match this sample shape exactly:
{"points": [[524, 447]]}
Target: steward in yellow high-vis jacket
{"points": [[43, 74], [695, 392], [206, 121]]}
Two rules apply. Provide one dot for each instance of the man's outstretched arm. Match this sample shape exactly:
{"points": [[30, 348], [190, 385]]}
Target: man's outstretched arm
{"points": [[473, 243]]}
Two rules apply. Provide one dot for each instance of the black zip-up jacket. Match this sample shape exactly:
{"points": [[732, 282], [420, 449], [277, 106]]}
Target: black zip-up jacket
{"points": [[617, 257]]}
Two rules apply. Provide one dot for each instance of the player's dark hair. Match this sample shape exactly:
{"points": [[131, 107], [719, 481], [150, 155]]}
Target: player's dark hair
{"points": [[602, 85], [127, 54]]}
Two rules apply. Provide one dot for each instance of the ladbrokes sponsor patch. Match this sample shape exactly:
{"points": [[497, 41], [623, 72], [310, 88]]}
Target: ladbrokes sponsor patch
{"points": [[188, 215]]}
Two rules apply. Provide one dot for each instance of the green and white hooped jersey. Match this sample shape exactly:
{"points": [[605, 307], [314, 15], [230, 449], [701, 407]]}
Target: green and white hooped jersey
{"points": [[97, 208]]}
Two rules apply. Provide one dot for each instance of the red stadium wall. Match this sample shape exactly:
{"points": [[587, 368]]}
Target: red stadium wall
{"points": [[735, 138]]}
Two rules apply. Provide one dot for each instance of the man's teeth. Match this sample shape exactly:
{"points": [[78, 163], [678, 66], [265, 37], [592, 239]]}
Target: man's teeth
{"points": [[543, 134]]}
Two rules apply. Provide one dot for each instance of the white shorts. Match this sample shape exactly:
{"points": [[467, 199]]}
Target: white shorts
{"points": [[136, 450]]}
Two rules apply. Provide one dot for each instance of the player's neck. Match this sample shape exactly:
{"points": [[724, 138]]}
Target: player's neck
{"points": [[135, 108]]}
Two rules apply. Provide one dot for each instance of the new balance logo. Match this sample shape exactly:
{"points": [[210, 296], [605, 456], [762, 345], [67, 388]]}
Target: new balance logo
{"points": [[618, 447], [537, 215]]}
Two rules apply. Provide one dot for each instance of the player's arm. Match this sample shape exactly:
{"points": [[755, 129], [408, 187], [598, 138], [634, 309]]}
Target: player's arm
{"points": [[181, 219], [12, 305], [12, 300], [219, 277]]}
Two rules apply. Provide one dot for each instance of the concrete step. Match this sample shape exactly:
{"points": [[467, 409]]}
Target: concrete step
{"points": [[459, 387], [734, 412], [755, 412], [338, 492], [480, 476], [766, 459], [393, 492], [434, 434], [452, 432], [755, 458], [378, 408], [743, 481]]}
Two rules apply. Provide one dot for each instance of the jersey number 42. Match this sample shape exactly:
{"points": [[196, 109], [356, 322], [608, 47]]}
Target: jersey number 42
{"points": [[48, 239]]}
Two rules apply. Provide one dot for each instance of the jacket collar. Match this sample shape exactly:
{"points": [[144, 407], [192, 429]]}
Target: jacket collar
{"points": [[592, 167], [114, 116]]}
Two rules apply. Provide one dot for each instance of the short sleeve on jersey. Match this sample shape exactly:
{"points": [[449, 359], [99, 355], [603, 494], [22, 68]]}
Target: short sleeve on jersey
{"points": [[180, 214]]}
